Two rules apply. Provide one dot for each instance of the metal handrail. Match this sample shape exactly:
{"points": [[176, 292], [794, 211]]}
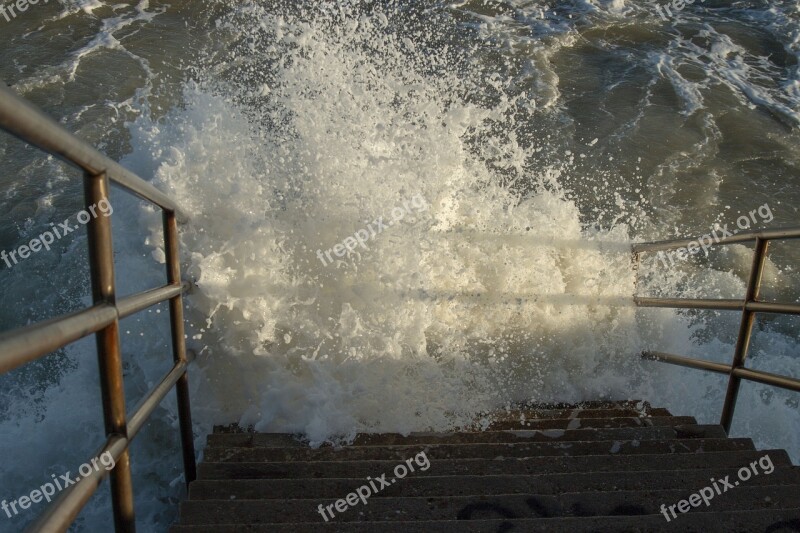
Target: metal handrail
{"points": [[24, 345], [749, 306], [744, 236]]}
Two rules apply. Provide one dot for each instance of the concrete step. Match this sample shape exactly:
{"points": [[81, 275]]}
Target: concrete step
{"points": [[464, 508], [573, 412], [599, 466], [584, 423], [478, 467], [714, 522], [282, 440], [487, 451], [772, 521], [556, 411], [640, 405], [412, 486], [517, 424]]}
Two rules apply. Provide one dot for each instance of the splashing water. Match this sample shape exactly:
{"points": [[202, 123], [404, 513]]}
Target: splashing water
{"points": [[495, 294]]}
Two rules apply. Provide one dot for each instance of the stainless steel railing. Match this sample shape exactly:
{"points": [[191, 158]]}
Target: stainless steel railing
{"points": [[28, 344], [749, 306]]}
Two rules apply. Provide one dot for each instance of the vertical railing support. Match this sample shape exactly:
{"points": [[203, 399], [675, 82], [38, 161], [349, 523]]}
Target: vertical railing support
{"points": [[179, 345], [745, 331], [101, 260]]}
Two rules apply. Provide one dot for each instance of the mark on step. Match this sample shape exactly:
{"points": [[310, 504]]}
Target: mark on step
{"points": [[486, 510], [484, 507], [784, 525], [628, 510]]}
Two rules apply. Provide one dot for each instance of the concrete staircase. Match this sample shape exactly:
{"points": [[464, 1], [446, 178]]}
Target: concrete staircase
{"points": [[592, 467]]}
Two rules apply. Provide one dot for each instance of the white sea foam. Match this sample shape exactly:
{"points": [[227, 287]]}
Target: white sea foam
{"points": [[488, 298]]}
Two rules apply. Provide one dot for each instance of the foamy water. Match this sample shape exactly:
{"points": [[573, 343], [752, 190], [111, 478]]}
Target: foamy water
{"points": [[539, 164]]}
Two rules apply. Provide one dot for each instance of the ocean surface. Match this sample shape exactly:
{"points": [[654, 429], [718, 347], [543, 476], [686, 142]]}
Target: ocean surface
{"points": [[487, 164]]}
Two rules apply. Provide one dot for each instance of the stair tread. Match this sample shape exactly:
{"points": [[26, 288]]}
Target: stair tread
{"points": [[455, 451], [409, 485], [223, 438], [595, 466], [583, 423], [715, 522], [576, 412], [568, 412], [577, 504], [544, 465], [284, 440]]}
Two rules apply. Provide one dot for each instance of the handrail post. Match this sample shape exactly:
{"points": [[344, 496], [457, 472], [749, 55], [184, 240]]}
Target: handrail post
{"points": [[179, 346], [101, 261], [745, 331]]}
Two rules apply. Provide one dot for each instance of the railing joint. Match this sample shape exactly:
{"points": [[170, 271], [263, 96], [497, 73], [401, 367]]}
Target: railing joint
{"points": [[749, 306]]}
